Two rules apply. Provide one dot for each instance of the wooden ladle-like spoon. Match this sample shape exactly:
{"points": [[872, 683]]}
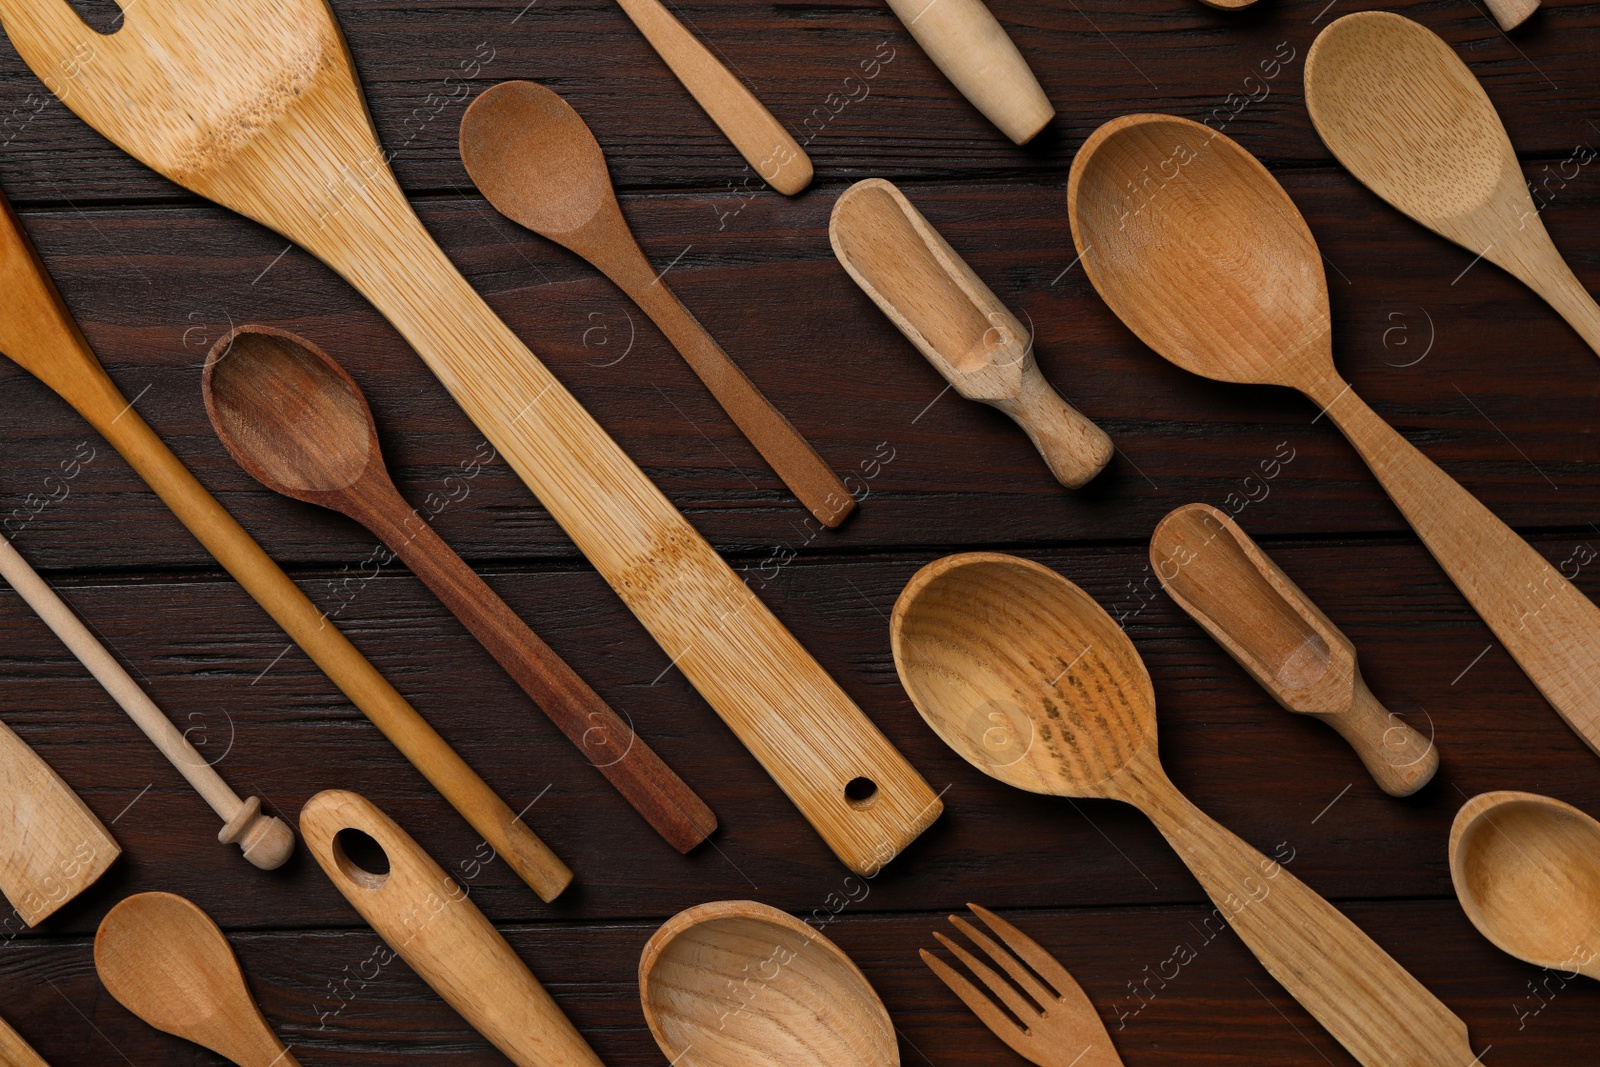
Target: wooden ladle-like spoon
{"points": [[1204, 256], [736, 983], [1527, 872], [299, 424], [535, 159], [166, 961], [1031, 682], [1402, 111]]}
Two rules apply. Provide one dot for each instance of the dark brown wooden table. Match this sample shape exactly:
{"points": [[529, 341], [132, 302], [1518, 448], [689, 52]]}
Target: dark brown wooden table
{"points": [[1469, 365]]}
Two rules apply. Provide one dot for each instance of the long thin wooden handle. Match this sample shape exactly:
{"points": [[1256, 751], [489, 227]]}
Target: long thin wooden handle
{"points": [[611, 744], [1367, 1001], [432, 924], [1074, 447], [15, 1052], [744, 120], [1399, 758], [1550, 629], [1549, 275]]}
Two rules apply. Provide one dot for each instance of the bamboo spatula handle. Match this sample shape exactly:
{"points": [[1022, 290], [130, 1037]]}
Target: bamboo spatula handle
{"points": [[1550, 629], [744, 120]]}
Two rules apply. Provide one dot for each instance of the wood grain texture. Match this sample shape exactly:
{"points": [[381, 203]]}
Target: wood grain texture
{"points": [[15, 1052]]}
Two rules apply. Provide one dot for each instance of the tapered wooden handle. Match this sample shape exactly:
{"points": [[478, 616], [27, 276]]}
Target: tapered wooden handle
{"points": [[15, 1052], [1512, 13], [1381, 1014], [1533, 257], [431, 923], [1074, 448], [611, 744], [1550, 629], [760, 138], [1399, 758], [967, 43]]}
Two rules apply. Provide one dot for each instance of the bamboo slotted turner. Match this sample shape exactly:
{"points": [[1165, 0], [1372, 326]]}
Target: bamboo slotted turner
{"points": [[255, 105]]}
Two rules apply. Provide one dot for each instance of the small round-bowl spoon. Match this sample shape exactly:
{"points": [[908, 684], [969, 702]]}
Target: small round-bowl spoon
{"points": [[1527, 872]]}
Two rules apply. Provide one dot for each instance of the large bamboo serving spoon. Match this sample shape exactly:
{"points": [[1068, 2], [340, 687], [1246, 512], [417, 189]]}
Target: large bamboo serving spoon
{"points": [[38, 333], [1401, 110], [1031, 682], [255, 105], [1213, 267]]}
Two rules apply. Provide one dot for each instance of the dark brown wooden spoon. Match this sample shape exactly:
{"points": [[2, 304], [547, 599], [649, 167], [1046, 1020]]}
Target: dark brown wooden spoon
{"points": [[297, 423]]}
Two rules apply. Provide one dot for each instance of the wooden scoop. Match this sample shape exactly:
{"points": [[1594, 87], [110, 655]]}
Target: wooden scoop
{"points": [[15, 1052], [1030, 681], [1527, 872], [736, 983], [296, 422], [1243, 599], [539, 165], [1212, 266], [1405, 115], [429, 921], [168, 963], [943, 308]]}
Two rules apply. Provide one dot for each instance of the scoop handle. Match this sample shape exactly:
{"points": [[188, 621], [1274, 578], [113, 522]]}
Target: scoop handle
{"points": [[426, 917], [1399, 759], [1073, 447]]}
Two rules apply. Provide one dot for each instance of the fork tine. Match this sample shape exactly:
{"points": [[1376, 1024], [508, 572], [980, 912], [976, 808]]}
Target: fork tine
{"points": [[1044, 964], [1019, 974], [997, 985], [999, 1023]]}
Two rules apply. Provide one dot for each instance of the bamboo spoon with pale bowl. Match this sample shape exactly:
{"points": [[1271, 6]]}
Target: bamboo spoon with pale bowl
{"points": [[941, 306], [736, 983], [297, 423], [1400, 109], [1527, 872], [1202, 254], [537, 162], [1031, 682]]}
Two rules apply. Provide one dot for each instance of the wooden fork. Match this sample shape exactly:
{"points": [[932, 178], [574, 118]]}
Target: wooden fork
{"points": [[1058, 1026]]}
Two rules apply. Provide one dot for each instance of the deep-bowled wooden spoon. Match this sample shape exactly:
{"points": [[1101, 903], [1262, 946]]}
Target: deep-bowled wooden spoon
{"points": [[1204, 256], [168, 963], [1402, 111], [536, 161], [297, 423], [736, 983], [1031, 682], [1527, 872]]}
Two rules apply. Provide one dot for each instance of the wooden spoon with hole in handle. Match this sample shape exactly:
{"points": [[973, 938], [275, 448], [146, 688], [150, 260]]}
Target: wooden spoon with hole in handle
{"points": [[1400, 109], [1527, 872], [958, 324], [168, 963], [736, 983], [539, 165], [297, 423], [1212, 569], [15, 1052], [1210, 264], [429, 921], [1030, 681]]}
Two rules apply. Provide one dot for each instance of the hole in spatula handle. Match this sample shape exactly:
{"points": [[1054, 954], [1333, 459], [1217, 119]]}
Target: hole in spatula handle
{"points": [[860, 792], [361, 858]]}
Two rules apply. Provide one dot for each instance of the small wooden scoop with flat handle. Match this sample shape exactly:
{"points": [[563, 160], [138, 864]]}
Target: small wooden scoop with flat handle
{"points": [[1216, 573], [957, 322]]}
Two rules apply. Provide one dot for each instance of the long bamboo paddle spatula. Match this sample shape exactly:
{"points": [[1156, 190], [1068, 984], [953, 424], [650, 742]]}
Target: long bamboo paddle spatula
{"points": [[38, 333], [255, 105]]}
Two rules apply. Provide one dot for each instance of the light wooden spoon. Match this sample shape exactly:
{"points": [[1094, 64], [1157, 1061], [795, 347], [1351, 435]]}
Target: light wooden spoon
{"points": [[168, 963], [15, 1052], [1204, 256], [1527, 872], [1031, 682], [736, 983], [958, 324], [1402, 111], [537, 162]]}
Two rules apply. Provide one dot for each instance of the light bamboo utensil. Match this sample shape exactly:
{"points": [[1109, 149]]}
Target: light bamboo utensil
{"points": [[297, 423], [428, 920], [967, 43], [537, 162], [1059, 1026], [1214, 268], [1216, 573], [736, 983], [957, 322], [1406, 116], [266, 840], [15, 1052], [168, 963], [1031, 682], [38, 333], [256, 106], [1527, 872], [761, 139], [52, 847]]}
